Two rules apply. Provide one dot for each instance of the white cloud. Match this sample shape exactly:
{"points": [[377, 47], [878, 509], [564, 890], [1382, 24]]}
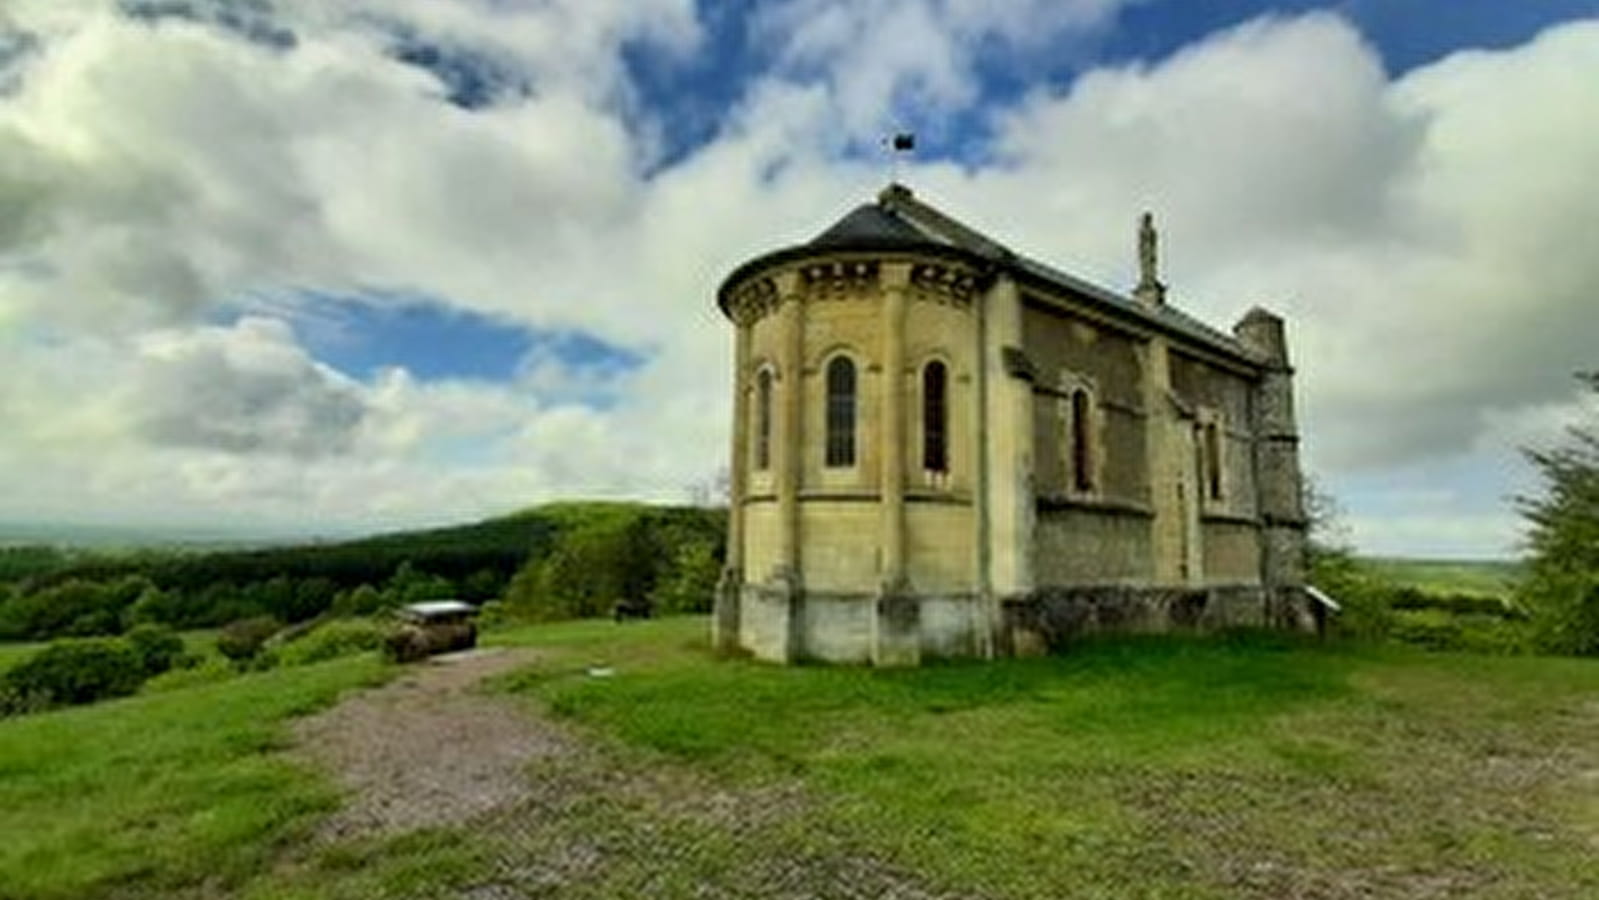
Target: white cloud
{"points": [[911, 58]]}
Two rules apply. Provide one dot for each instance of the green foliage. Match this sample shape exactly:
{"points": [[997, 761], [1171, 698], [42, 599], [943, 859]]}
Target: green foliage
{"points": [[1562, 586], [19, 563], [75, 607], [492, 614], [157, 647], [606, 554], [241, 641], [1438, 629], [1407, 597], [361, 601], [410, 584], [331, 640], [70, 672], [46, 593]]}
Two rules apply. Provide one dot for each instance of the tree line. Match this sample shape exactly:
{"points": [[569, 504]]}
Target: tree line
{"points": [[557, 561]]}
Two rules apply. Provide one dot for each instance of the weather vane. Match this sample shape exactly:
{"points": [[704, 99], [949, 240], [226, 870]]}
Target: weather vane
{"points": [[900, 144]]}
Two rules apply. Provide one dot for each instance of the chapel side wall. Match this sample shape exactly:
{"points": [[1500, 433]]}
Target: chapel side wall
{"points": [[939, 543], [1059, 344], [1221, 394], [761, 548], [1232, 553], [1077, 546], [839, 546], [1099, 537]]}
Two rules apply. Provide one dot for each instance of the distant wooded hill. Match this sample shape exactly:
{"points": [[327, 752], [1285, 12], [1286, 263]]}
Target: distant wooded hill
{"points": [[48, 591]]}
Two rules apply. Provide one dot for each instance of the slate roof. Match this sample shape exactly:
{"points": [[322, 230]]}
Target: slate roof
{"points": [[869, 223], [901, 221]]}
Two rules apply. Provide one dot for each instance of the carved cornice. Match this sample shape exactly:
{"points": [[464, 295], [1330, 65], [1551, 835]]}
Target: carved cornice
{"points": [[839, 279], [952, 285], [754, 300], [940, 283]]}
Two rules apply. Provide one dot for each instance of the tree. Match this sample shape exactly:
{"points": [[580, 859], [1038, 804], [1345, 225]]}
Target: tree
{"points": [[1562, 585], [1330, 565]]}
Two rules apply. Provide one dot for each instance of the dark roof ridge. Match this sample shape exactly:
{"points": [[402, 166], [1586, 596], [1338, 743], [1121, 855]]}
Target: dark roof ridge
{"points": [[899, 220], [902, 199]]}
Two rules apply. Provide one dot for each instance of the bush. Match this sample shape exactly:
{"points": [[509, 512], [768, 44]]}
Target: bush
{"points": [[1463, 604], [341, 637], [195, 673], [240, 641], [157, 647], [1436, 629], [74, 671], [405, 644], [493, 614]]}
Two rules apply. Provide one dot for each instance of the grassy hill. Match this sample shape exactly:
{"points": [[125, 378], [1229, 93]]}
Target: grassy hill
{"points": [[1446, 576], [1137, 767]]}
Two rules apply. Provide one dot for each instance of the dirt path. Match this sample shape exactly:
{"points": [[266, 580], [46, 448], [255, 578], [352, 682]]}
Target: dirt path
{"points": [[428, 749], [561, 815]]}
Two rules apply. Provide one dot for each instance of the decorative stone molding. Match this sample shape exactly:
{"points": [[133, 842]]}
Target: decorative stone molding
{"points": [[754, 300], [939, 283], [839, 279]]}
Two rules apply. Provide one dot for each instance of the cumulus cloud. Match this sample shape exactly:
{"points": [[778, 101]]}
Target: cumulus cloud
{"points": [[911, 58], [1422, 233], [245, 389]]}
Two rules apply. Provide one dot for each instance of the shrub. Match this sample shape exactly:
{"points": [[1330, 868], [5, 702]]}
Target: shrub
{"points": [[240, 641], [341, 637], [405, 644], [195, 673], [493, 614], [1436, 629], [1464, 604], [157, 647], [74, 671]]}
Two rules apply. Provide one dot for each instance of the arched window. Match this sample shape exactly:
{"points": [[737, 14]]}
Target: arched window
{"points": [[1082, 463], [840, 412], [1213, 460], [935, 417], [763, 420]]}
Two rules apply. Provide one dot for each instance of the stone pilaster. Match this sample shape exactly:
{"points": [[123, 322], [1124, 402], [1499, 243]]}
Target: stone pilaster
{"points": [[892, 426], [725, 618], [896, 636], [1277, 476], [1008, 433]]}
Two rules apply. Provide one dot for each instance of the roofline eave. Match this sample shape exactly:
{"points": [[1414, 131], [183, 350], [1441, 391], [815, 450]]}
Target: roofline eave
{"points": [[801, 251]]}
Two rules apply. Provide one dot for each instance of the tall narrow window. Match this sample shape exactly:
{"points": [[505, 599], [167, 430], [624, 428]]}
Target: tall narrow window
{"points": [[1213, 460], [935, 417], [840, 412], [763, 420], [1082, 474]]}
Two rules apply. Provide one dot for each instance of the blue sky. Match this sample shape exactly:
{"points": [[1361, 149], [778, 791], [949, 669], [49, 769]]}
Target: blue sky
{"points": [[409, 262]]}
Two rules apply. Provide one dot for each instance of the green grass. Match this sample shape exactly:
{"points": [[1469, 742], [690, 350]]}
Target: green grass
{"points": [[151, 795], [1250, 766], [1491, 577], [1137, 767], [13, 652]]}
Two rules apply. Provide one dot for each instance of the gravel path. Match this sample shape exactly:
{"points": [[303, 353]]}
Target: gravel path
{"points": [[561, 815], [428, 749]]}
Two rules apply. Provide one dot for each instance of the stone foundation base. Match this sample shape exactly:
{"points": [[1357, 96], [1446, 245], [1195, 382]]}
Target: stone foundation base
{"points": [[779, 622]]}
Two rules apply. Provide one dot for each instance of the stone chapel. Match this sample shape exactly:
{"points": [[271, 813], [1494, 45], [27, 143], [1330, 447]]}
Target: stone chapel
{"points": [[944, 448]]}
